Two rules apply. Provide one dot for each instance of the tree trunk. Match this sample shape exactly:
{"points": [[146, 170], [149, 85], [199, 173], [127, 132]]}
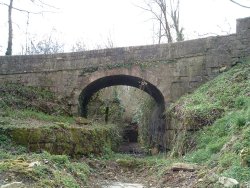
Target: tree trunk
{"points": [[9, 48]]}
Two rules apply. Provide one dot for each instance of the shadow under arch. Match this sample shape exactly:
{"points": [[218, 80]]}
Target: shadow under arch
{"points": [[115, 80]]}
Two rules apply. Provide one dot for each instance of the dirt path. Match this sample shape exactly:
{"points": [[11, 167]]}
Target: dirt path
{"points": [[112, 175]]}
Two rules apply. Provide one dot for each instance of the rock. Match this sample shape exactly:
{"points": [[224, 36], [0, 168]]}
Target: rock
{"points": [[46, 161], [82, 121], [36, 163], [244, 157], [229, 182], [122, 185], [223, 69], [13, 185], [184, 167]]}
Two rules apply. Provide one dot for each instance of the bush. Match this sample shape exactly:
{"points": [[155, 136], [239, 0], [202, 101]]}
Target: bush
{"points": [[59, 159]]}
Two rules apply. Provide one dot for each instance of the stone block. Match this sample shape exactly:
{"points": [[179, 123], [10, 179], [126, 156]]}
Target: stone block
{"points": [[243, 27], [178, 89]]}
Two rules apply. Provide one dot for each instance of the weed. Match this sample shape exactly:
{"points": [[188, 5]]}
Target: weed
{"points": [[80, 170], [59, 159], [65, 180], [228, 159], [238, 172], [23, 97], [42, 171]]}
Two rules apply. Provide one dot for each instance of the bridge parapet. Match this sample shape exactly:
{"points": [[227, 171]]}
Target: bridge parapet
{"points": [[243, 35], [118, 57]]}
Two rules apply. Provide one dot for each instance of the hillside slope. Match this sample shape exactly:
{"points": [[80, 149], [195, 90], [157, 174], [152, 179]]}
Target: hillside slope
{"points": [[220, 111]]}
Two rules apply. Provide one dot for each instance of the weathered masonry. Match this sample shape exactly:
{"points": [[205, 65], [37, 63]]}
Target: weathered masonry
{"points": [[165, 71]]}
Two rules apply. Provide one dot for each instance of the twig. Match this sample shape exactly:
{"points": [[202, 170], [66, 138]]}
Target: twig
{"points": [[26, 11], [208, 34], [244, 6], [51, 6]]}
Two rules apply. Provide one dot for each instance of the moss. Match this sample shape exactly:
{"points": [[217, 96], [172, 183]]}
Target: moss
{"points": [[129, 64], [130, 163], [72, 141], [20, 136], [88, 70], [20, 97], [57, 171]]}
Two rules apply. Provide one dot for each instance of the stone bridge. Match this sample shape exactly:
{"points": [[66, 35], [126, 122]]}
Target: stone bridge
{"points": [[165, 71]]}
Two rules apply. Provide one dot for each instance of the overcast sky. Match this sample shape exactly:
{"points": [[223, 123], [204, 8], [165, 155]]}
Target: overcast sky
{"points": [[94, 21]]}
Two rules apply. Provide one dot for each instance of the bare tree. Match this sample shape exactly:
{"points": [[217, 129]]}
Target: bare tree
{"points": [[46, 46], [78, 46], [175, 17], [108, 43], [166, 13], [235, 2], [10, 36], [10, 28]]}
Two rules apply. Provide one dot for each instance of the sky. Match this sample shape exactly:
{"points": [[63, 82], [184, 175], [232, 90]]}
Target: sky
{"points": [[95, 22]]}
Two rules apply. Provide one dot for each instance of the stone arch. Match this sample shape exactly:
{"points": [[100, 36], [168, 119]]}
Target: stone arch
{"points": [[115, 80]]}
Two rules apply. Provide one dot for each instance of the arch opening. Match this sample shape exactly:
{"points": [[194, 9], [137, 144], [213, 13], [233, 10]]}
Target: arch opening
{"points": [[115, 80], [158, 121]]}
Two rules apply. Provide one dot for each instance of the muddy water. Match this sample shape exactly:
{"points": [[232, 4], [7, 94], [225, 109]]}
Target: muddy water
{"points": [[122, 185]]}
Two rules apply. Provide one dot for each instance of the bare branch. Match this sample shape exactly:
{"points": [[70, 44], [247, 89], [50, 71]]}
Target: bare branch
{"points": [[26, 11], [239, 4], [78, 46], [51, 6], [46, 46], [162, 18], [208, 34], [227, 32], [166, 13]]}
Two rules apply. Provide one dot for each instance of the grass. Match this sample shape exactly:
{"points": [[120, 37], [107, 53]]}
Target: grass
{"points": [[10, 113], [229, 91], [220, 109], [50, 171], [16, 96]]}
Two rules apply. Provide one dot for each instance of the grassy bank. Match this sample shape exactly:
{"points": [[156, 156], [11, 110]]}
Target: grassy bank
{"points": [[220, 111]]}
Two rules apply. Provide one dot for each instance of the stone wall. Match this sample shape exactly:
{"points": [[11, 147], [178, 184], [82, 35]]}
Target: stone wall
{"points": [[74, 140], [175, 69]]}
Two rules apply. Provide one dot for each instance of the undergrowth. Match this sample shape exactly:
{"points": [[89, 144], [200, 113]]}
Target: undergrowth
{"points": [[40, 169], [220, 111], [16, 96]]}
